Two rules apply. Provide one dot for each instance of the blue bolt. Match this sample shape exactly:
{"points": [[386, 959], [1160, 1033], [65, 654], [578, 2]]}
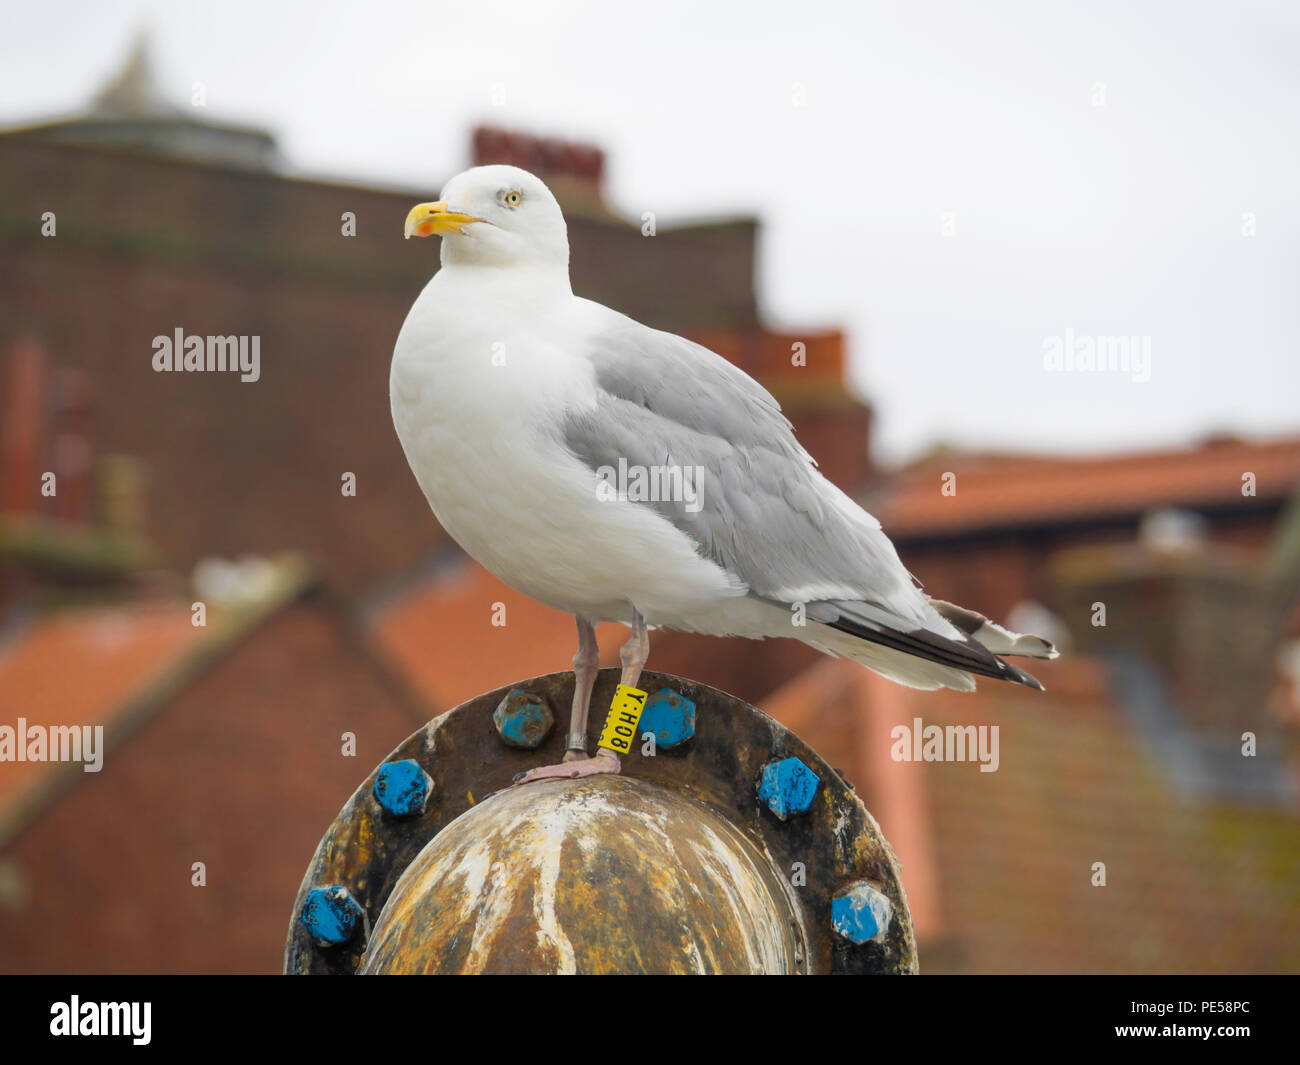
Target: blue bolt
{"points": [[860, 913], [788, 787], [523, 720], [331, 915], [669, 717], [402, 788]]}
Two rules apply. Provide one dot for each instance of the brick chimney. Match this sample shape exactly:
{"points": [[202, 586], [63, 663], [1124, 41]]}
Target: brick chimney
{"points": [[1207, 617], [569, 167]]}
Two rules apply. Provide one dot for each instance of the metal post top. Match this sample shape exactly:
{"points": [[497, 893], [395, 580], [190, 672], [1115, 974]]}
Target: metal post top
{"points": [[727, 845]]}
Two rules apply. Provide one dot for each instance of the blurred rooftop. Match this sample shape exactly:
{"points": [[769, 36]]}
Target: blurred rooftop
{"points": [[996, 492], [228, 741]]}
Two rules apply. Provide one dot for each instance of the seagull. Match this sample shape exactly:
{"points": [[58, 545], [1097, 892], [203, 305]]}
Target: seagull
{"points": [[619, 473]]}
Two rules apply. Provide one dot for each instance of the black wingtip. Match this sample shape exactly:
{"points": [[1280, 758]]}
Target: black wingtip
{"points": [[1021, 677], [965, 654]]}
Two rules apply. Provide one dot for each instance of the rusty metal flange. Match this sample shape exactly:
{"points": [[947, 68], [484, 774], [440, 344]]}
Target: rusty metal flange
{"points": [[817, 855]]}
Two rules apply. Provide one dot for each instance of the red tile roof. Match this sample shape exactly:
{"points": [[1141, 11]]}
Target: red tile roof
{"points": [[248, 758], [998, 866], [1004, 490], [82, 666], [441, 638]]}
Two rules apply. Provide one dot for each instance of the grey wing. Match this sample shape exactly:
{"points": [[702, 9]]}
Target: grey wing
{"points": [[762, 510]]}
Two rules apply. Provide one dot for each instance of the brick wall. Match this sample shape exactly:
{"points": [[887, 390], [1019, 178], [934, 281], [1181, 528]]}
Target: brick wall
{"points": [[145, 245], [240, 770]]}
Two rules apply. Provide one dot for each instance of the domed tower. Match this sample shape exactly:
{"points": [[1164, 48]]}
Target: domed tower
{"points": [[132, 112]]}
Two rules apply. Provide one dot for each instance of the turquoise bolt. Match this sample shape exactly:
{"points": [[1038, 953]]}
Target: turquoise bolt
{"points": [[788, 787], [331, 915], [860, 913], [669, 717], [402, 788], [523, 720]]}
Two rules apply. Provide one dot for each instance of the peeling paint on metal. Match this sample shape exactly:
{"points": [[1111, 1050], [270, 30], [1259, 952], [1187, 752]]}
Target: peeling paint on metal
{"points": [[523, 720], [788, 787], [331, 915], [402, 787], [861, 913], [653, 919], [431, 731], [549, 932], [514, 876]]}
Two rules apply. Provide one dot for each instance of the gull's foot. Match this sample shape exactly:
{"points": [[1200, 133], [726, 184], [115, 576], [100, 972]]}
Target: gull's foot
{"points": [[604, 762]]}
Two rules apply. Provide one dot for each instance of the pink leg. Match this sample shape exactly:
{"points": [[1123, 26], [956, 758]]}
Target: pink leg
{"points": [[575, 764], [586, 664]]}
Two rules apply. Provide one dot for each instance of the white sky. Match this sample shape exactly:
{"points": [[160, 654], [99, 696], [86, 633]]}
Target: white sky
{"points": [[1120, 219]]}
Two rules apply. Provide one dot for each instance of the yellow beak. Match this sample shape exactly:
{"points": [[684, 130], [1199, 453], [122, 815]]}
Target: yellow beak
{"points": [[426, 219]]}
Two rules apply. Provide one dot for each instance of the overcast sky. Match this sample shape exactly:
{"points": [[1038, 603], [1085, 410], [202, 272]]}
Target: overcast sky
{"points": [[955, 184]]}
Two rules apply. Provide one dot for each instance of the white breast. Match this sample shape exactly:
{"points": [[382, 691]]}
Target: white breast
{"points": [[479, 412]]}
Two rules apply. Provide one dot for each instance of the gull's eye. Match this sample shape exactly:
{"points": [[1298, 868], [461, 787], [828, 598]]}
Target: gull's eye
{"points": [[513, 198]]}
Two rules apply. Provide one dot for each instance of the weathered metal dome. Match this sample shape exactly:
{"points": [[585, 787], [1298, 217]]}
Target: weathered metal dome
{"points": [[603, 875], [727, 846]]}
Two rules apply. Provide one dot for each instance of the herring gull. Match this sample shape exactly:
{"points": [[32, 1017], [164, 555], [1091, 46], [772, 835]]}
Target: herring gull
{"points": [[620, 473]]}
